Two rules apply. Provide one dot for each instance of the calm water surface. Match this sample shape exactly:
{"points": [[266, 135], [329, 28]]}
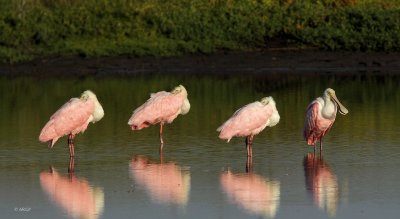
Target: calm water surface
{"points": [[120, 174]]}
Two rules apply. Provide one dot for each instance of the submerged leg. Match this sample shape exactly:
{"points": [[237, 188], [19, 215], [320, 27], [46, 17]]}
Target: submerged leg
{"points": [[161, 137], [320, 146], [71, 166], [161, 157], [71, 144], [249, 165], [314, 147]]}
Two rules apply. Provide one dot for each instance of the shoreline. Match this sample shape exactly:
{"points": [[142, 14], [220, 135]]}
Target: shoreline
{"points": [[270, 61]]}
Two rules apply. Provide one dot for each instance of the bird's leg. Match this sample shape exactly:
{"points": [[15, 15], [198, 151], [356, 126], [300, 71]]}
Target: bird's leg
{"points": [[71, 144], [249, 144], [161, 137], [71, 165]]}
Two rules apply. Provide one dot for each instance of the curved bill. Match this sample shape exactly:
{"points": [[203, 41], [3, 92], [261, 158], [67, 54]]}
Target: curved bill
{"points": [[342, 110]]}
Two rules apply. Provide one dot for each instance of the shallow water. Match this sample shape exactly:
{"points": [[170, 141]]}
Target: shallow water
{"points": [[120, 174]]}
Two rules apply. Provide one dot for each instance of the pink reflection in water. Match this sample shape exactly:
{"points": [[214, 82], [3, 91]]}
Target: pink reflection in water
{"points": [[252, 192], [322, 183], [164, 182], [74, 195]]}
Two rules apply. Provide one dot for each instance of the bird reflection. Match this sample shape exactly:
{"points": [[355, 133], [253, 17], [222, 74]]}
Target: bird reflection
{"points": [[164, 182], [74, 195], [321, 182], [252, 192]]}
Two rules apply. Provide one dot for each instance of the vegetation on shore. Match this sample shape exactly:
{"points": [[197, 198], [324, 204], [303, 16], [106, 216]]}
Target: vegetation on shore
{"points": [[39, 28]]}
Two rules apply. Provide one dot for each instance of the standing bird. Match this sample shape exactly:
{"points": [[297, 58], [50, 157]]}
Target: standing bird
{"points": [[162, 107], [72, 118], [320, 116], [249, 121]]}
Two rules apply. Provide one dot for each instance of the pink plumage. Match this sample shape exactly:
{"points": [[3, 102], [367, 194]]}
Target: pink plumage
{"points": [[72, 118], [249, 121], [320, 116], [162, 107], [316, 126]]}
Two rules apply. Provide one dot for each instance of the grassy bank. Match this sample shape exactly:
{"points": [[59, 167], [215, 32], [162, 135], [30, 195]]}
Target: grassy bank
{"points": [[40, 28]]}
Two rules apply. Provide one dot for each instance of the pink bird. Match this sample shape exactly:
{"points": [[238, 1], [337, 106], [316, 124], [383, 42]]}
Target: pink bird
{"points": [[320, 116], [162, 107], [249, 121], [72, 118]]}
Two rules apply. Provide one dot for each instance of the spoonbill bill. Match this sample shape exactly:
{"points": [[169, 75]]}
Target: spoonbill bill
{"points": [[250, 120], [72, 118], [320, 116], [162, 107]]}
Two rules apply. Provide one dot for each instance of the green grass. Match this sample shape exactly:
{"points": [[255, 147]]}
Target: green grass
{"points": [[38, 28]]}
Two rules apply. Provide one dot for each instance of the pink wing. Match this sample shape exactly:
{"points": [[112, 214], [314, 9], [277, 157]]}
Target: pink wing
{"points": [[161, 107], [72, 117], [249, 119], [310, 124]]}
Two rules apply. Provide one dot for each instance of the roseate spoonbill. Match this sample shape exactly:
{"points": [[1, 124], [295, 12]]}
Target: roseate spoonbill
{"points": [[75, 195], [72, 118], [252, 192], [322, 183], [164, 182], [162, 107], [320, 116], [250, 120]]}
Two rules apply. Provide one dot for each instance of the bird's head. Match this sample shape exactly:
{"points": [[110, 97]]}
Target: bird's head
{"points": [[98, 109], [88, 94], [179, 89], [330, 93], [267, 100]]}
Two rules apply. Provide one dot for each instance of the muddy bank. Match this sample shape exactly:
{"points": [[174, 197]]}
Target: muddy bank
{"points": [[273, 61]]}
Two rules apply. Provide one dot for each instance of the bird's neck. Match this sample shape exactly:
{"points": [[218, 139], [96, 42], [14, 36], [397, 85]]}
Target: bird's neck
{"points": [[329, 110], [98, 111]]}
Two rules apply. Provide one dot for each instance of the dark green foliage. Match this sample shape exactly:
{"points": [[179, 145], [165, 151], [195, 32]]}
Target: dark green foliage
{"points": [[39, 28]]}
